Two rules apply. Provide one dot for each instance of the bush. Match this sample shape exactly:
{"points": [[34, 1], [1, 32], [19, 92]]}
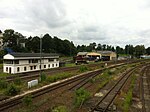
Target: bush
{"points": [[81, 95], [43, 77], [3, 84], [27, 100], [60, 109], [83, 68], [17, 81], [12, 90]]}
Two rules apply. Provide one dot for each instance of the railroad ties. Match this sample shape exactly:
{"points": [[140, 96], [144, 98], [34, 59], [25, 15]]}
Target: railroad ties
{"points": [[105, 103]]}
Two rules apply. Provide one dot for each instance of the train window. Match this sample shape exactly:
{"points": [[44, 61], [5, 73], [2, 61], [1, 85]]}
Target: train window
{"points": [[18, 69], [25, 68]]}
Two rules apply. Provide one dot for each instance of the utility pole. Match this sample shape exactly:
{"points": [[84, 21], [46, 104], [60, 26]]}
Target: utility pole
{"points": [[41, 55]]}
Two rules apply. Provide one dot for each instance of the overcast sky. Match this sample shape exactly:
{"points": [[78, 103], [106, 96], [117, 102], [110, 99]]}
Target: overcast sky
{"points": [[114, 22]]}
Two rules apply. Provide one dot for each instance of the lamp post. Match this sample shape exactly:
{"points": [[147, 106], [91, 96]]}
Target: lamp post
{"points": [[41, 55]]}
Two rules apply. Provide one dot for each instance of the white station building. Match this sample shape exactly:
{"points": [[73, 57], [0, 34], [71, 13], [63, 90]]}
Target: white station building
{"points": [[27, 62]]}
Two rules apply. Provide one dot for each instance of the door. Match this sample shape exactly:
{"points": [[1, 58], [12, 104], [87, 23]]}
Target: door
{"points": [[10, 70]]}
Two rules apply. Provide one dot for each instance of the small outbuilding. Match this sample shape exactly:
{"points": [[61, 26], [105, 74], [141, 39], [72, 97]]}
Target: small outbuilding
{"points": [[27, 62], [108, 55]]}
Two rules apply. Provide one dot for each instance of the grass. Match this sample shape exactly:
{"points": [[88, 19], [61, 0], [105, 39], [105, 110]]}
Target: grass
{"points": [[1, 66], [4, 74], [60, 109], [53, 78], [70, 64], [128, 97], [83, 68], [81, 95]]}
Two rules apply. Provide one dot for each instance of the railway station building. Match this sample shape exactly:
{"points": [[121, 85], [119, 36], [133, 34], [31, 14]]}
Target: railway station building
{"points": [[27, 62]]}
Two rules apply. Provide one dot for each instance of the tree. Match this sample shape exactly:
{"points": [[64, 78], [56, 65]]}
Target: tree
{"points": [[13, 40], [148, 51], [35, 42], [139, 50], [47, 44], [104, 47], [99, 47], [92, 45]]}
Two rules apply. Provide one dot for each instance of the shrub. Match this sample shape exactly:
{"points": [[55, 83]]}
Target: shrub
{"points": [[83, 69], [60, 109], [12, 90], [3, 84], [81, 95], [43, 77], [17, 81], [27, 100]]}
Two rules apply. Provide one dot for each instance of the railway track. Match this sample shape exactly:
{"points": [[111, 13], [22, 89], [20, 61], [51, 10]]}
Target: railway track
{"points": [[145, 89], [83, 79], [104, 103], [35, 74]]}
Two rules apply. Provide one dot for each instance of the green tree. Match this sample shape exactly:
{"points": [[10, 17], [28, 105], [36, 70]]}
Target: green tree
{"points": [[139, 50], [99, 47], [13, 40], [148, 51]]}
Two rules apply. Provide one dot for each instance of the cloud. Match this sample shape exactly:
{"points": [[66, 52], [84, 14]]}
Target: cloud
{"points": [[117, 22]]}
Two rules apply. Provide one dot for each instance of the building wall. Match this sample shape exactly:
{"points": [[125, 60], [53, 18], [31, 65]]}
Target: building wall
{"points": [[113, 56], [25, 66]]}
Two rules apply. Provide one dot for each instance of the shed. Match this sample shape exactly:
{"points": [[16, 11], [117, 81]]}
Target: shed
{"points": [[108, 55]]}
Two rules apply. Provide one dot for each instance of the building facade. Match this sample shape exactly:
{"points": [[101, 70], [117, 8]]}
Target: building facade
{"points": [[27, 62], [108, 55]]}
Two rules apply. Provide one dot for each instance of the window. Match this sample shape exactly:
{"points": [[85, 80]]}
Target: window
{"points": [[56, 65], [52, 65], [18, 69], [16, 62], [8, 62], [40, 66], [7, 69], [25, 68], [29, 61], [50, 60], [44, 66], [33, 61], [49, 65], [31, 67], [34, 67]]}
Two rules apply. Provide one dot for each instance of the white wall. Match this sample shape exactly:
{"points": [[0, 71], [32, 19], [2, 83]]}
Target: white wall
{"points": [[25, 63]]}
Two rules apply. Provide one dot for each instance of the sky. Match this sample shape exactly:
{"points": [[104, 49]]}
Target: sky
{"points": [[113, 22]]}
